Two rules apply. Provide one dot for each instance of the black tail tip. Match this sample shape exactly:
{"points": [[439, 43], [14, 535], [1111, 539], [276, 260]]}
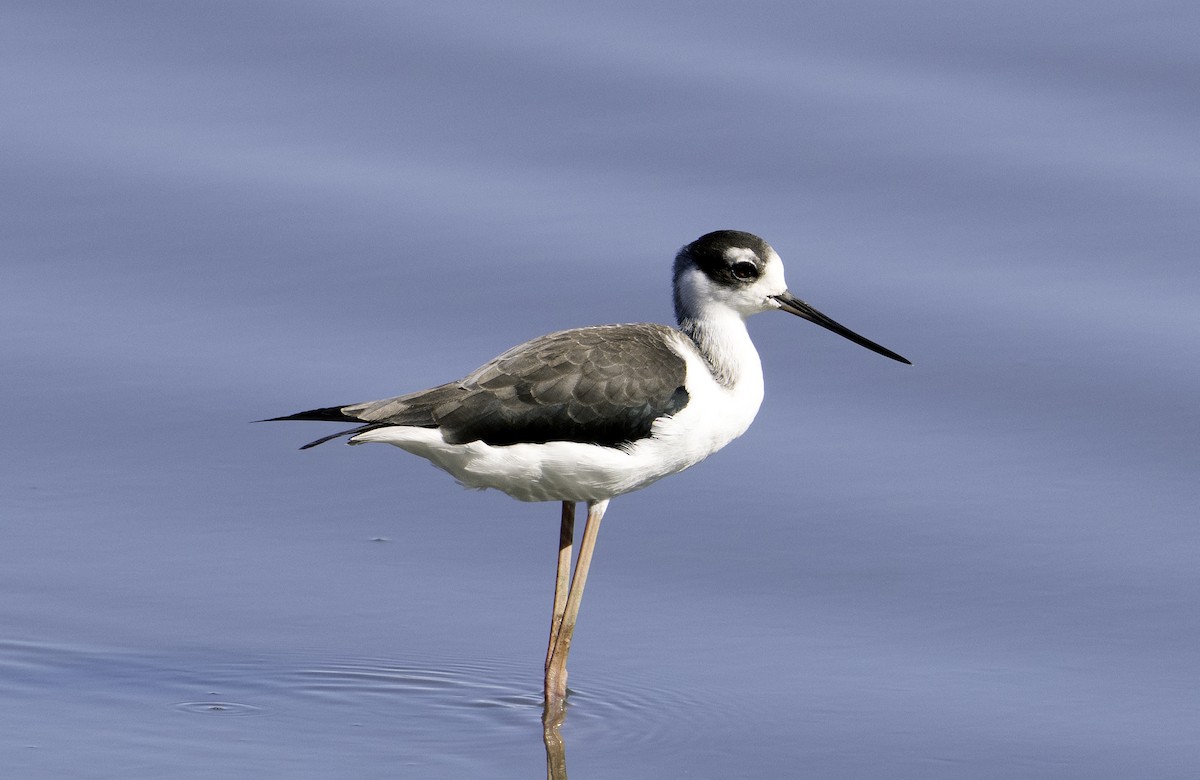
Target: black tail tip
{"points": [[326, 414]]}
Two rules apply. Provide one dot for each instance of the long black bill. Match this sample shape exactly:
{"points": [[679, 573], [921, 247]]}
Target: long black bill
{"points": [[793, 305]]}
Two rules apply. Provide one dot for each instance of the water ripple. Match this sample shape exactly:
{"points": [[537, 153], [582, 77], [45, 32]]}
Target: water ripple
{"points": [[482, 696], [226, 708]]}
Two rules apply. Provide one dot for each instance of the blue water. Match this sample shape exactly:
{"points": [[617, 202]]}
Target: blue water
{"points": [[981, 566]]}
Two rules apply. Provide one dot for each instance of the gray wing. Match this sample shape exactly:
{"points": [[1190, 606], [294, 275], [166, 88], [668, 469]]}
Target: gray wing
{"points": [[605, 384]]}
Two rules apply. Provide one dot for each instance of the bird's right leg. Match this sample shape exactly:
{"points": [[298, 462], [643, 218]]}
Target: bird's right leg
{"points": [[566, 539], [556, 669]]}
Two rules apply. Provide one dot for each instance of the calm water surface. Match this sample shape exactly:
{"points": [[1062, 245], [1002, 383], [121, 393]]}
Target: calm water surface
{"points": [[981, 566]]}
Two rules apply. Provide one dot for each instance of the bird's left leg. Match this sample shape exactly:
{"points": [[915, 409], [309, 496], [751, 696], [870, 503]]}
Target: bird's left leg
{"points": [[556, 670]]}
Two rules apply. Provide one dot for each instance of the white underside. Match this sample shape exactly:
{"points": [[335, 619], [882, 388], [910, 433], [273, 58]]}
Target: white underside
{"points": [[569, 471]]}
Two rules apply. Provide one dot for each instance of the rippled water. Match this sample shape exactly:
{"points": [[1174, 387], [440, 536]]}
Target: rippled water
{"points": [[145, 716], [980, 566]]}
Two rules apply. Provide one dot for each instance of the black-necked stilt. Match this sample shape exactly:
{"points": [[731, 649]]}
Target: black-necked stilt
{"points": [[593, 413]]}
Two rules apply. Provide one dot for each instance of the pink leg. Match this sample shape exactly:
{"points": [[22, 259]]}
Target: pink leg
{"points": [[566, 538], [556, 668]]}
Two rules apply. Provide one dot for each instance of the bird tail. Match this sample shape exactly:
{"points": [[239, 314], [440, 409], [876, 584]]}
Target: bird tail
{"points": [[329, 414]]}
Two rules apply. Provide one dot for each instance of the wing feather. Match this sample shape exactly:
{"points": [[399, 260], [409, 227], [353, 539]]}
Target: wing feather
{"points": [[605, 384]]}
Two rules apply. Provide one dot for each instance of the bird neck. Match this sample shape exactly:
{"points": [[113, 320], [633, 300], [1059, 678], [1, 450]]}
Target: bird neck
{"points": [[721, 338]]}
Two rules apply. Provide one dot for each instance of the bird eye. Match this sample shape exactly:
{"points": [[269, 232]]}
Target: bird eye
{"points": [[745, 270]]}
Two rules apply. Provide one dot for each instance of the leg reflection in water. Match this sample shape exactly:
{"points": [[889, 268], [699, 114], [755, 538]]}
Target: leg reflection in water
{"points": [[556, 754]]}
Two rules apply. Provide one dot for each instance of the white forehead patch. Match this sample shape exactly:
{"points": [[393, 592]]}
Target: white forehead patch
{"points": [[735, 253], [773, 274]]}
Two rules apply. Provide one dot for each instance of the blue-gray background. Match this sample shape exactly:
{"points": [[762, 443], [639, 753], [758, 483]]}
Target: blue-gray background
{"points": [[981, 566]]}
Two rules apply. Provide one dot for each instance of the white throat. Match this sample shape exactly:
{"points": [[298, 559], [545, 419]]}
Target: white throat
{"points": [[717, 329]]}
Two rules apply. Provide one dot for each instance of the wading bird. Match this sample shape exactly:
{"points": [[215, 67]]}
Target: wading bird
{"points": [[593, 413]]}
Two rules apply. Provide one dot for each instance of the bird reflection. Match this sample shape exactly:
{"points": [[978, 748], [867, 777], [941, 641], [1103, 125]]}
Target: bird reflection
{"points": [[556, 752]]}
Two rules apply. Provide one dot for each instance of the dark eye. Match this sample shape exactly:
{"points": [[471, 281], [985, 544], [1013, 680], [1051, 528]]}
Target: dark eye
{"points": [[745, 270]]}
